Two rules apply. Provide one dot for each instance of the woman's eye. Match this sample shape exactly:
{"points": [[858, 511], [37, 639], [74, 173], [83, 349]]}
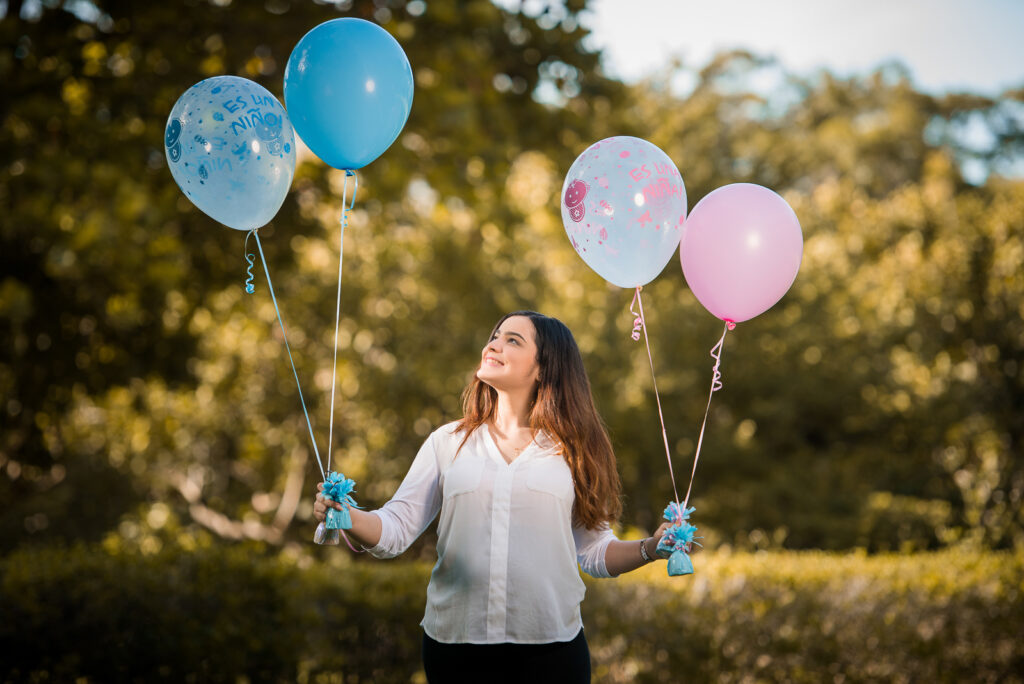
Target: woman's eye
{"points": [[513, 340]]}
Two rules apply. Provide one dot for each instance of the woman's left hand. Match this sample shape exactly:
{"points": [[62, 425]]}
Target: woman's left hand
{"points": [[658, 534]]}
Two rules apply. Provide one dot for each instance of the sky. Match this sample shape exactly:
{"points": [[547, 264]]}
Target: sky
{"points": [[948, 45]]}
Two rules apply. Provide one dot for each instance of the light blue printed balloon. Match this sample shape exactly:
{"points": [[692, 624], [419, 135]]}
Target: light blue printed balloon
{"points": [[348, 87], [231, 149], [623, 207]]}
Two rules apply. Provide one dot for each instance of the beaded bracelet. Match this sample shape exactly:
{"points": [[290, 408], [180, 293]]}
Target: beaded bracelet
{"points": [[643, 551]]}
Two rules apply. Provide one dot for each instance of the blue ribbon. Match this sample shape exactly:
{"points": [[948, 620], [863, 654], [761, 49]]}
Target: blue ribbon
{"points": [[273, 298], [345, 208], [339, 488], [249, 287]]}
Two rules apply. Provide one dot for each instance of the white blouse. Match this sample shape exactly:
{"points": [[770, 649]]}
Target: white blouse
{"points": [[506, 545]]}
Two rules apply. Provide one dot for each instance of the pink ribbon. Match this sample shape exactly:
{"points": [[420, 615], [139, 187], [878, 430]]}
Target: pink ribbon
{"points": [[639, 324], [354, 549], [716, 384], [638, 319]]}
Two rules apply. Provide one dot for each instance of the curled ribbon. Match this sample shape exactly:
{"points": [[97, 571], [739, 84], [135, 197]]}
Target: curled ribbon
{"points": [[251, 258], [638, 319]]}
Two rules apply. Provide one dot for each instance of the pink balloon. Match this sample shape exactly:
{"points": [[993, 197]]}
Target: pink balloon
{"points": [[741, 250]]}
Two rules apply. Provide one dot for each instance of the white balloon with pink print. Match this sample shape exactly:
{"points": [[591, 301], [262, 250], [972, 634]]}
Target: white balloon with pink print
{"points": [[623, 207]]}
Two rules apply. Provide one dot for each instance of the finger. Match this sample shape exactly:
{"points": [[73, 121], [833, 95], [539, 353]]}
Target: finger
{"points": [[320, 487]]}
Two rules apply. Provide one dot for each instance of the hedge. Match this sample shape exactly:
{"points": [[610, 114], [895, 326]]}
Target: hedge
{"points": [[239, 614], [814, 617]]}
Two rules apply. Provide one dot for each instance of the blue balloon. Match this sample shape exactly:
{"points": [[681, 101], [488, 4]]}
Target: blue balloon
{"points": [[348, 87], [231, 149]]}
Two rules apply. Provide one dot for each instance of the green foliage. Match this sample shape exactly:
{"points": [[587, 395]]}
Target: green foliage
{"points": [[228, 613], [811, 616], [209, 615], [876, 406]]}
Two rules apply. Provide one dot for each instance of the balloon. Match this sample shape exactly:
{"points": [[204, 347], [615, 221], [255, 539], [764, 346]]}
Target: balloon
{"points": [[623, 207], [231, 149], [741, 250], [348, 87]]}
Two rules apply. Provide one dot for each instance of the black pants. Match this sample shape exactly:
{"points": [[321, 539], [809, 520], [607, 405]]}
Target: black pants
{"points": [[565, 662]]}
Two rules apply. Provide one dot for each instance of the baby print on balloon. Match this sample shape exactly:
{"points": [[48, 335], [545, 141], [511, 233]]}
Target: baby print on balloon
{"points": [[231, 149], [623, 207], [574, 196], [171, 136]]}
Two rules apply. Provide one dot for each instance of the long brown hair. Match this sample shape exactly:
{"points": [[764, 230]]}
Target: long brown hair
{"points": [[562, 407]]}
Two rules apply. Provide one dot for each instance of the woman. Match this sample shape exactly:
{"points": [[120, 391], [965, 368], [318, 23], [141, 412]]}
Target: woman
{"points": [[526, 487]]}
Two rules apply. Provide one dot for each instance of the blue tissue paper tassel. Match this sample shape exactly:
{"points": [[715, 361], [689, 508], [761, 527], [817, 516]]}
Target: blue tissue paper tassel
{"points": [[339, 488], [677, 540]]}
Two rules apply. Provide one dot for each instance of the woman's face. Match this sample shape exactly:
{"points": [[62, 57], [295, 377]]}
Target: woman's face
{"points": [[509, 360]]}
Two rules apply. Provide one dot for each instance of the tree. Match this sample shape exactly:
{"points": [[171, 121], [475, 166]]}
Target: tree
{"points": [[136, 374], [147, 395]]}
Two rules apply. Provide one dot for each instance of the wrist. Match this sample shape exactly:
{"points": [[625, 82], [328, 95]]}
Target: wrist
{"points": [[643, 551]]}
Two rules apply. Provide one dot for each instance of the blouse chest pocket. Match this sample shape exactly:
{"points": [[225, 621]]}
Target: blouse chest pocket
{"points": [[463, 476], [551, 476]]}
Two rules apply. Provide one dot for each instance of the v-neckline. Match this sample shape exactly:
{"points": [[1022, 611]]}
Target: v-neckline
{"points": [[496, 450]]}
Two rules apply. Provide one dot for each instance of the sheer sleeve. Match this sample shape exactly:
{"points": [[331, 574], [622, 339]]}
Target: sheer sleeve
{"points": [[590, 548], [413, 507]]}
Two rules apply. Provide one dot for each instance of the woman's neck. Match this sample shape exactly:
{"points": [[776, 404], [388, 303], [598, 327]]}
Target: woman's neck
{"points": [[512, 413]]}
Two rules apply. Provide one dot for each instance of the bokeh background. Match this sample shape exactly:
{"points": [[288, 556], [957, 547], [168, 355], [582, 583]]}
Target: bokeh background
{"points": [[861, 481]]}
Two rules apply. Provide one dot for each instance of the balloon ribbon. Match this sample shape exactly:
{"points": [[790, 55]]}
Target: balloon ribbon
{"points": [[640, 325], [277, 309], [249, 257], [716, 384], [679, 537], [345, 208]]}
